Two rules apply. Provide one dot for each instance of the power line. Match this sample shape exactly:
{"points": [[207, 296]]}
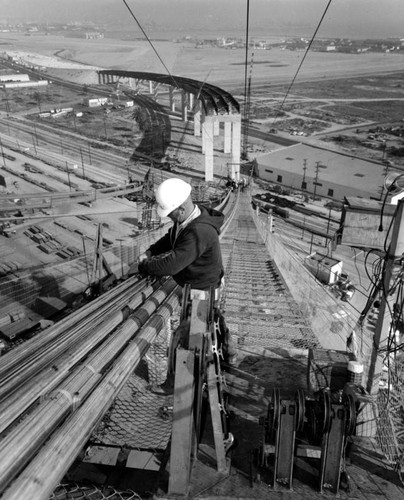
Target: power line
{"points": [[246, 56], [302, 61], [150, 42]]}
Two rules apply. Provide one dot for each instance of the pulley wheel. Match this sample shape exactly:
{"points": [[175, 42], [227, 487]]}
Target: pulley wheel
{"points": [[325, 402], [350, 422], [301, 409], [273, 415]]}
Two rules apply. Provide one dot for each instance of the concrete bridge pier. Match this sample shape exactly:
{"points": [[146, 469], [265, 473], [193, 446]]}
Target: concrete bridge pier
{"points": [[207, 146], [197, 119], [171, 98], [232, 140], [216, 126], [184, 106], [227, 137], [191, 101]]}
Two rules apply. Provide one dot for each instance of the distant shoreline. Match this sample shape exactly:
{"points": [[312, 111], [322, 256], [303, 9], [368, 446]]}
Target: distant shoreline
{"points": [[222, 67]]}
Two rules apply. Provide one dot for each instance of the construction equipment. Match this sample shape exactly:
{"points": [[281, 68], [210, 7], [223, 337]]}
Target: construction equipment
{"points": [[198, 383], [247, 109], [306, 427], [148, 221], [99, 283], [284, 418]]}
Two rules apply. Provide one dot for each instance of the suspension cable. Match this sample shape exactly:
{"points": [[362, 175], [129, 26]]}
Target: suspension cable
{"points": [[150, 42], [302, 61]]}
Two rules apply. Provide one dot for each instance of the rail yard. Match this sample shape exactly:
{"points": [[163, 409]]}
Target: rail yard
{"points": [[83, 340]]}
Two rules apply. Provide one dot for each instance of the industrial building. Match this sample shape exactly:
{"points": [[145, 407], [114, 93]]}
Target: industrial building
{"points": [[322, 172], [13, 81], [18, 77]]}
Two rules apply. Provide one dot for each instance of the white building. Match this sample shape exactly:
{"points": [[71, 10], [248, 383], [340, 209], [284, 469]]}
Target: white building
{"points": [[19, 77], [325, 268], [93, 102]]}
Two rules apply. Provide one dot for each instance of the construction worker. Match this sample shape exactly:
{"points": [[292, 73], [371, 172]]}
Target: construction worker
{"points": [[189, 252]]}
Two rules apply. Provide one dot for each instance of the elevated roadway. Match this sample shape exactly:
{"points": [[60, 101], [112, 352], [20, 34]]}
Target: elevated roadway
{"points": [[214, 100]]}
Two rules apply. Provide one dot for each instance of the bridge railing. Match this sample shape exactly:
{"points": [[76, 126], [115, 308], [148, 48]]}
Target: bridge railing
{"points": [[330, 320]]}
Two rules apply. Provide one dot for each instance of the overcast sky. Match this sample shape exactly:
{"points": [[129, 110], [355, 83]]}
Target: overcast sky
{"points": [[354, 18]]}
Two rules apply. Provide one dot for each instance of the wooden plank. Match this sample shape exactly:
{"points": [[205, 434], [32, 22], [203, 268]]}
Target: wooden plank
{"points": [[332, 452], [197, 342], [284, 464], [216, 413], [105, 455], [181, 440]]}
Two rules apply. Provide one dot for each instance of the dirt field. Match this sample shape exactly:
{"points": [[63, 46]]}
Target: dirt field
{"points": [[224, 67], [331, 93]]}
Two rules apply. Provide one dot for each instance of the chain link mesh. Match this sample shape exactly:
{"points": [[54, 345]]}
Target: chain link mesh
{"points": [[390, 402], [32, 295], [258, 307], [134, 420], [73, 491]]}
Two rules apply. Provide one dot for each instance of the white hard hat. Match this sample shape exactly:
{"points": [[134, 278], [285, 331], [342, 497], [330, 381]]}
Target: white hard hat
{"points": [[171, 194]]}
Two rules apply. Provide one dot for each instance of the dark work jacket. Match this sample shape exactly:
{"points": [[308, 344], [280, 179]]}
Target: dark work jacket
{"points": [[194, 256]]}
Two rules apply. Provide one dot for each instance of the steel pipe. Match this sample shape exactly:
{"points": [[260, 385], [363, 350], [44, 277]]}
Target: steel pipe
{"points": [[47, 468], [22, 442]]}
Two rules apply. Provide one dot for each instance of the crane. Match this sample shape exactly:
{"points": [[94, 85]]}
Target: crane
{"points": [[247, 107]]}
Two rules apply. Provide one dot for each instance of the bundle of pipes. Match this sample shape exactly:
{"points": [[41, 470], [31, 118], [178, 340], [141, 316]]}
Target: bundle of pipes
{"points": [[35, 367], [85, 391], [64, 381]]}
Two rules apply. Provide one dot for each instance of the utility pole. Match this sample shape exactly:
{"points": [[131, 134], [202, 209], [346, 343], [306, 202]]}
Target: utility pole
{"points": [[384, 319], [2, 153], [328, 227], [33, 142], [384, 149], [311, 243], [36, 135], [105, 128], [89, 153], [315, 180], [68, 176], [304, 174], [82, 163], [304, 226]]}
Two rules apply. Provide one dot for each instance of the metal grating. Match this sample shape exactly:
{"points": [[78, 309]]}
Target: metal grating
{"points": [[73, 491], [134, 420], [258, 307]]}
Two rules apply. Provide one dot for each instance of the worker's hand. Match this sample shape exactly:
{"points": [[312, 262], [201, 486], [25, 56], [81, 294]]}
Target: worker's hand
{"points": [[141, 268], [137, 268], [133, 269], [144, 256]]}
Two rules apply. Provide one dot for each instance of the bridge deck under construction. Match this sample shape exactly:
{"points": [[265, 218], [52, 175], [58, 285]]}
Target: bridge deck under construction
{"points": [[125, 455], [273, 339]]}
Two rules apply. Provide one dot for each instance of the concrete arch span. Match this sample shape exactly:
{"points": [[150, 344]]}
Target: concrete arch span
{"points": [[206, 104]]}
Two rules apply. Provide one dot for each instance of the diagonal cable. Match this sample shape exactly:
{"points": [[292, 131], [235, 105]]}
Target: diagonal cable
{"points": [[302, 61], [150, 42]]}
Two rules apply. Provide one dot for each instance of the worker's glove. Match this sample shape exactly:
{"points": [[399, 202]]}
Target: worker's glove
{"points": [[137, 269], [133, 269], [144, 256], [141, 268]]}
